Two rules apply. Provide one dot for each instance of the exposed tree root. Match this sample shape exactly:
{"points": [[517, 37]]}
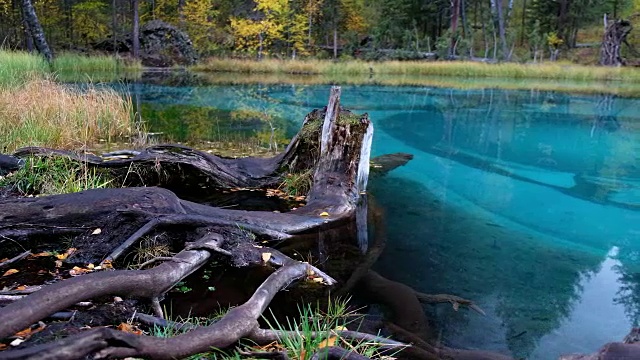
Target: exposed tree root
{"points": [[239, 322]]}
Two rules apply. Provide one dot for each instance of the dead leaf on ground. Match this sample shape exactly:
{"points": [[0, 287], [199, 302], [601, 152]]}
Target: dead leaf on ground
{"points": [[270, 347], [266, 256], [78, 271], [324, 213], [128, 328], [331, 341], [96, 231], [21, 287], [10, 272], [66, 254], [42, 254], [26, 333], [3, 347]]}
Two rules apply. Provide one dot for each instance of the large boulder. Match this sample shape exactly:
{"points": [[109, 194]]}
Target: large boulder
{"points": [[161, 45], [165, 45]]}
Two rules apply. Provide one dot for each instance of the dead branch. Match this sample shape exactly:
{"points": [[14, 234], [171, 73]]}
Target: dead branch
{"points": [[236, 324], [15, 259], [58, 296], [454, 300]]}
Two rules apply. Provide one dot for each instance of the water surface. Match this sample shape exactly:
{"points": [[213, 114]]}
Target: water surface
{"points": [[524, 201]]}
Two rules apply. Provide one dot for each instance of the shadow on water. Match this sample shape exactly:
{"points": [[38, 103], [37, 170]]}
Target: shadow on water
{"points": [[527, 205], [528, 285]]}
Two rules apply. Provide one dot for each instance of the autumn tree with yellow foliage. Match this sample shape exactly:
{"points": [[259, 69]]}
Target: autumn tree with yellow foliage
{"points": [[277, 29]]}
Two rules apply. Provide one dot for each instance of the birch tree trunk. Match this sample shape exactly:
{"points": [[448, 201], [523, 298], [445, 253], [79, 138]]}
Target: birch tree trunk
{"points": [[35, 29], [498, 21], [135, 34]]}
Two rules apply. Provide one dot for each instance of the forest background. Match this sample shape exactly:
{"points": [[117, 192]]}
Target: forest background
{"points": [[516, 30]]}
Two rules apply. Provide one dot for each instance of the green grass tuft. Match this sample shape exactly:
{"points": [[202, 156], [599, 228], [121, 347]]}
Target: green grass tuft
{"points": [[50, 176], [18, 67], [316, 329]]}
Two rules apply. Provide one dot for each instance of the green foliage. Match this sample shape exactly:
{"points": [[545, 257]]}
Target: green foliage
{"points": [[315, 329], [280, 30], [90, 20], [199, 16], [296, 184], [298, 28], [58, 175]]}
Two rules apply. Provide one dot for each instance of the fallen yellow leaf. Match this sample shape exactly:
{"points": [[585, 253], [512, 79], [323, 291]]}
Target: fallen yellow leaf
{"points": [[21, 287], [10, 272], [78, 271], [331, 341], [42, 254], [324, 213], [266, 256], [66, 254], [128, 328]]}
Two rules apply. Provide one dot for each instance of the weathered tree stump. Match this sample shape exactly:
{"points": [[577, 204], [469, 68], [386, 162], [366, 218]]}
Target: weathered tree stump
{"points": [[614, 36]]}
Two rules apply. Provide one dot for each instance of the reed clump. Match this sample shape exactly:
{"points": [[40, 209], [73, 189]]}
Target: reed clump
{"points": [[19, 66], [69, 62], [424, 68], [15, 66], [41, 112]]}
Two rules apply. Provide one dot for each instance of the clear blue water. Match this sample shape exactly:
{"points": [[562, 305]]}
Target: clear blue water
{"points": [[526, 202]]}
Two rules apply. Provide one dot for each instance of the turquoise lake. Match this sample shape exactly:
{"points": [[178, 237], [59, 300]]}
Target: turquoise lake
{"points": [[526, 202]]}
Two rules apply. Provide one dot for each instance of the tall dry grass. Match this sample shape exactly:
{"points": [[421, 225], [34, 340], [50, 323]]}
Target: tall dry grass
{"points": [[41, 112], [562, 71]]}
